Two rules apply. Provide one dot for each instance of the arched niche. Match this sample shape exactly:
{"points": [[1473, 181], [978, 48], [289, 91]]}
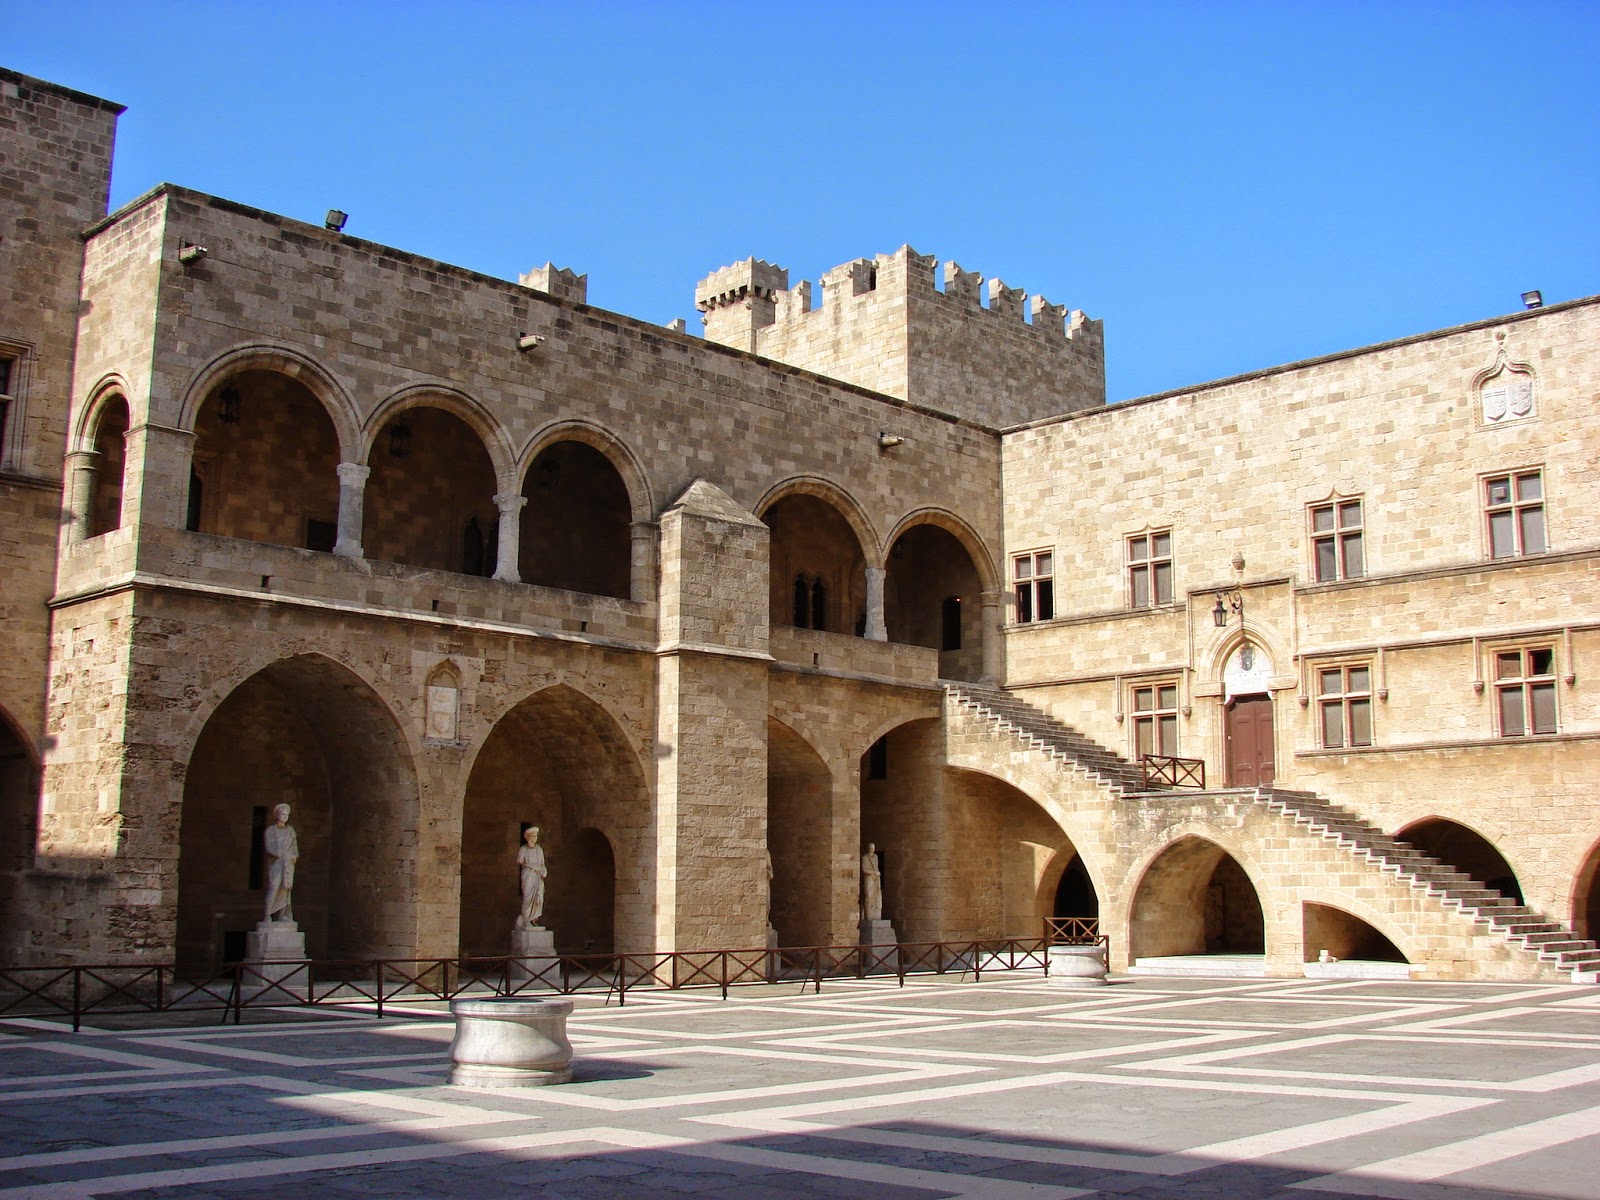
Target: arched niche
{"points": [[111, 464], [577, 523], [818, 568], [19, 797], [560, 761], [1344, 936], [1586, 896], [1195, 898], [430, 495], [902, 806], [265, 462], [307, 732], [1467, 850]]}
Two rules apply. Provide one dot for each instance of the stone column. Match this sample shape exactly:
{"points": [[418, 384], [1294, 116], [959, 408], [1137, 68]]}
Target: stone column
{"points": [[642, 577], [81, 466], [352, 508], [994, 653], [155, 476], [510, 544], [876, 630]]}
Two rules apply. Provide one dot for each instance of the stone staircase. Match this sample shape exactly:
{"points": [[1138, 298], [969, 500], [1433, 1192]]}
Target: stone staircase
{"points": [[1555, 945]]}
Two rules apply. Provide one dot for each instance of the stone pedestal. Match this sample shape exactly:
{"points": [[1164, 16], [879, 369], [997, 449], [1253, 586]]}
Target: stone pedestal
{"points": [[878, 942], [1077, 966], [533, 953], [878, 933], [510, 1042], [275, 955]]}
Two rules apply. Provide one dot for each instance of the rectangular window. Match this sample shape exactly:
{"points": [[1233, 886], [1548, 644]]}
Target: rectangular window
{"points": [[1344, 703], [1150, 569], [1514, 505], [1336, 541], [1525, 691], [1033, 580], [1155, 720], [8, 376]]}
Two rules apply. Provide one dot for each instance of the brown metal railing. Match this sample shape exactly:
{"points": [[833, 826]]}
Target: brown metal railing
{"points": [[1075, 931], [1166, 770], [75, 991]]}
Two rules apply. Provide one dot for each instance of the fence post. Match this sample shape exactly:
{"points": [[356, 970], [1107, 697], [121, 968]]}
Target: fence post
{"points": [[161, 990], [378, 973], [77, 999]]}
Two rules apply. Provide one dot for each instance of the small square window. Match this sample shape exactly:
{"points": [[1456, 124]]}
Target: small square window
{"points": [[1150, 569], [1033, 584], [1514, 508], [1338, 548], [1155, 720], [1525, 691]]}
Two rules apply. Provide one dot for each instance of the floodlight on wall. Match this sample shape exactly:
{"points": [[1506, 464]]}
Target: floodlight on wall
{"points": [[335, 220], [1533, 299], [529, 341], [189, 253], [888, 441], [399, 440], [228, 405]]}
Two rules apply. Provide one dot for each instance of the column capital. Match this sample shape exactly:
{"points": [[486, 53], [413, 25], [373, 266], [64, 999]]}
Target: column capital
{"points": [[509, 502], [353, 474]]}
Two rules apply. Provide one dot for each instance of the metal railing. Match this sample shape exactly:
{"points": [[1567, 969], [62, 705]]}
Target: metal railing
{"points": [[1166, 770], [75, 991], [1075, 931]]}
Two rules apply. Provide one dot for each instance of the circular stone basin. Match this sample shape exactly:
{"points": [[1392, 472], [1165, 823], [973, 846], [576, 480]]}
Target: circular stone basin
{"points": [[1077, 966], [508, 1042]]}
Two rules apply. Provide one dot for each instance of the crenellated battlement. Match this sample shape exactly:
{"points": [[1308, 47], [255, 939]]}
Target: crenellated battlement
{"points": [[556, 281], [887, 323]]}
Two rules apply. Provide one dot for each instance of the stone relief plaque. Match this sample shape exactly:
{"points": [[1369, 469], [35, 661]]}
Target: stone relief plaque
{"points": [[442, 709]]}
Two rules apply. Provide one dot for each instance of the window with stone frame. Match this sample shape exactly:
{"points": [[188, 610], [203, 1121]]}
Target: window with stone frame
{"points": [[9, 378], [1513, 505], [1033, 581], [1150, 569], [1525, 690], [1338, 543], [1344, 705], [1155, 719]]}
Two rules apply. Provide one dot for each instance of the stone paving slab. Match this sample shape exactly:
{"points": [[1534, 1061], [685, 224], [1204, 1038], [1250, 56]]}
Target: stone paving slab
{"points": [[1000, 1090]]}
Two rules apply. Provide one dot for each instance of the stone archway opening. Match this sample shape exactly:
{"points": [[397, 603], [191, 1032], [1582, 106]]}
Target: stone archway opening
{"points": [[560, 761], [1466, 850], [933, 597], [111, 463], [1344, 936], [818, 569], [265, 463], [1195, 899], [430, 497], [1075, 894], [577, 524], [308, 733], [903, 816], [799, 840], [19, 799], [1586, 899]]}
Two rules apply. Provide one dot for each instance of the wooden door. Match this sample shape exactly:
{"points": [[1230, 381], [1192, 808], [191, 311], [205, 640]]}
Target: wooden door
{"points": [[1249, 727]]}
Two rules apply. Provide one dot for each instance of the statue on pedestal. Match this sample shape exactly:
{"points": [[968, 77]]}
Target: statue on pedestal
{"points": [[530, 858], [871, 886], [282, 848]]}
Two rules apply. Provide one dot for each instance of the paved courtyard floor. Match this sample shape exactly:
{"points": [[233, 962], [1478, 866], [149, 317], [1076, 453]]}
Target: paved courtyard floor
{"points": [[1003, 1089]]}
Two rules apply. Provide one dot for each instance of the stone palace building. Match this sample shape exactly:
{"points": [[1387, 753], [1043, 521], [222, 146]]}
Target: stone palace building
{"points": [[289, 516]]}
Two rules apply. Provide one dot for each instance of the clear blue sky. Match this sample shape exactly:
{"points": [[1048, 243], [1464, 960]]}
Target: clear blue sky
{"points": [[1227, 185]]}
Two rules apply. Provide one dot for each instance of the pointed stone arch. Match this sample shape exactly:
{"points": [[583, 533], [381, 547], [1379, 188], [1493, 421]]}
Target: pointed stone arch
{"points": [[1586, 894], [19, 796], [1173, 906], [837, 497], [1462, 846]]}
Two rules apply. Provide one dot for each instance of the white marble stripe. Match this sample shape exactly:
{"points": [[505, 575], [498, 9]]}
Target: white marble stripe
{"points": [[1456, 1158]]}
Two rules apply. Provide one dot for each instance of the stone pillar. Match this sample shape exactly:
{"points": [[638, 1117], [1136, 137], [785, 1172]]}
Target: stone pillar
{"points": [[155, 477], [81, 465], [510, 544], [642, 579], [876, 630], [994, 647], [352, 508]]}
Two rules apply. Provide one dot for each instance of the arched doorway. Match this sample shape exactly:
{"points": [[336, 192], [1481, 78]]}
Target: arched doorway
{"points": [[19, 798], [577, 524], [799, 825], [309, 733], [265, 463], [933, 597], [111, 462], [818, 569], [560, 761], [1075, 894], [1586, 897], [1344, 936], [430, 498], [1195, 899], [1466, 850]]}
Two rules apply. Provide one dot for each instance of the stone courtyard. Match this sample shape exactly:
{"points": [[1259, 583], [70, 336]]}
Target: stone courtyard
{"points": [[946, 1088]]}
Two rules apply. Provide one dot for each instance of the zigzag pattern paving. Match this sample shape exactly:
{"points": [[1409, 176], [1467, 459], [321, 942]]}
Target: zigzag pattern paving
{"points": [[993, 1091]]}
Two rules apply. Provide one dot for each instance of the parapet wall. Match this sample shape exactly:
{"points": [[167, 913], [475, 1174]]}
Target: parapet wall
{"points": [[885, 324]]}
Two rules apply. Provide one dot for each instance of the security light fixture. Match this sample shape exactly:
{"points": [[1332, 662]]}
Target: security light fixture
{"points": [[335, 220], [1532, 299], [888, 441], [228, 400], [190, 253], [399, 440], [529, 341]]}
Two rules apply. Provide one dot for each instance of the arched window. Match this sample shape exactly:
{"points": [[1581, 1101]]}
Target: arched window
{"points": [[819, 604], [802, 603]]}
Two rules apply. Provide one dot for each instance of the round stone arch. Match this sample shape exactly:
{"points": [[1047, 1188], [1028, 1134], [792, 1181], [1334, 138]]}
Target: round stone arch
{"points": [[1151, 933], [1349, 905], [109, 388], [1466, 847], [457, 403], [328, 391], [1585, 895], [982, 561], [641, 500], [839, 499]]}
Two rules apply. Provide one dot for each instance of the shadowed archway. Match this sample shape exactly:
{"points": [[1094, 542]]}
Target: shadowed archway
{"points": [[1466, 850], [1195, 898]]}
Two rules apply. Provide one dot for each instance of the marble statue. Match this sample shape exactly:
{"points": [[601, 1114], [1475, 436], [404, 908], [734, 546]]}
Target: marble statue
{"points": [[283, 849], [871, 886], [530, 858]]}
